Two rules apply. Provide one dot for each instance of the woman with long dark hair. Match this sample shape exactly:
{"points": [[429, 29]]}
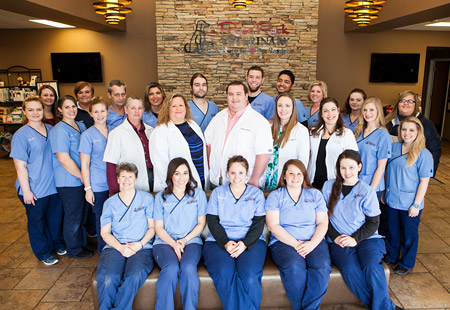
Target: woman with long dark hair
{"points": [[352, 109]]}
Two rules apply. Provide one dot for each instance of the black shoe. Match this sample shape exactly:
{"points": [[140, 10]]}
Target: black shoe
{"points": [[90, 247], [399, 308], [387, 261], [83, 254], [401, 270]]}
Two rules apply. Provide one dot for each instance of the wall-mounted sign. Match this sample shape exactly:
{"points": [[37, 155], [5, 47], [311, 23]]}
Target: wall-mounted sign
{"points": [[227, 37]]}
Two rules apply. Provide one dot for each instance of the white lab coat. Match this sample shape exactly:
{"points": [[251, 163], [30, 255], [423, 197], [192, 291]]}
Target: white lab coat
{"points": [[166, 143], [124, 146], [335, 146], [296, 147], [250, 136]]}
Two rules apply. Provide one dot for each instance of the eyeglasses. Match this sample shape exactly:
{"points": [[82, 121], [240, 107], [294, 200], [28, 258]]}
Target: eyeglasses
{"points": [[408, 101]]}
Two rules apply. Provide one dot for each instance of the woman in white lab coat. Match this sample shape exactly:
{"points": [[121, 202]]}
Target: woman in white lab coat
{"points": [[290, 140], [178, 135], [328, 140], [129, 143]]}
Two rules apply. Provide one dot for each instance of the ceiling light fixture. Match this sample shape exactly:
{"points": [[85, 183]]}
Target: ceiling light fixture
{"points": [[113, 10], [50, 23], [439, 24], [241, 4], [363, 11]]}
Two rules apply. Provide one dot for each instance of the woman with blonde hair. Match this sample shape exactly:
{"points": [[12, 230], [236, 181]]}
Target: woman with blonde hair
{"points": [[290, 140], [408, 174], [408, 104], [178, 135], [317, 91]]}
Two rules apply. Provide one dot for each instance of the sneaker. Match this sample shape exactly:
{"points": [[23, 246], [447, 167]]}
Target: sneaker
{"points": [[387, 261], [50, 261], [83, 254], [62, 251], [401, 270]]}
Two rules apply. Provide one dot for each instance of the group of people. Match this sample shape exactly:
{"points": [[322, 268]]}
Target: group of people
{"points": [[330, 200]]}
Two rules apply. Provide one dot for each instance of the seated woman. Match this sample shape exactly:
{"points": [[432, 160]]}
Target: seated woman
{"points": [[180, 217], [356, 248], [178, 135], [290, 140], [235, 250], [409, 171], [127, 228], [297, 218]]}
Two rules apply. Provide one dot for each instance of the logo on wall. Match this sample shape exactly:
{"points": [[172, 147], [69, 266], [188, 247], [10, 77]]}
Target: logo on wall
{"points": [[227, 38]]}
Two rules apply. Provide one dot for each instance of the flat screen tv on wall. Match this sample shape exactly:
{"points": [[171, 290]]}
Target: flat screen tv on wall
{"points": [[75, 67], [394, 68]]}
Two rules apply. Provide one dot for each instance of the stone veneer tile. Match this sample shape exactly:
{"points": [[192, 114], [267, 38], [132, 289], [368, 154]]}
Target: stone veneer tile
{"points": [[71, 285], [65, 306], [20, 299], [10, 277], [14, 255], [42, 278], [438, 265], [33, 262], [438, 225]]}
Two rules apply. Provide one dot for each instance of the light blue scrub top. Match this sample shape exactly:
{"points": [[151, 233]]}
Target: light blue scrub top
{"points": [[201, 119], [180, 216], [93, 143], [236, 215], [66, 139], [30, 146], [372, 148], [128, 224], [264, 105], [301, 111], [114, 119], [402, 181], [313, 120], [348, 123], [297, 218], [150, 119], [350, 212]]}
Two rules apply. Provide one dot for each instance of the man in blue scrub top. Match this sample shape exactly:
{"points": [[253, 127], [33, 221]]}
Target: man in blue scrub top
{"points": [[202, 110], [285, 82], [117, 92], [261, 102]]}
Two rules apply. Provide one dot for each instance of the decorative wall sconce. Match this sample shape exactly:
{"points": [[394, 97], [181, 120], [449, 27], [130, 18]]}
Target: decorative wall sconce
{"points": [[241, 4], [362, 12], [113, 10]]}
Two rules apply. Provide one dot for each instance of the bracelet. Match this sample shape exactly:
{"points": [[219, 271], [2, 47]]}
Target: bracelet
{"points": [[86, 188], [415, 205]]}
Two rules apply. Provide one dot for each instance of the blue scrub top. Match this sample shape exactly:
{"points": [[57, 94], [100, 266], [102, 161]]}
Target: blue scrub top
{"points": [[264, 105], [297, 218], [201, 119], [150, 119], [236, 215], [402, 181], [128, 224], [180, 216], [30, 146], [93, 143], [313, 120], [301, 111], [114, 119], [350, 212], [372, 148], [66, 139], [348, 123]]}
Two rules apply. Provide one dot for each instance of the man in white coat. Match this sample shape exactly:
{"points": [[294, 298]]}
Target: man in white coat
{"points": [[238, 130]]}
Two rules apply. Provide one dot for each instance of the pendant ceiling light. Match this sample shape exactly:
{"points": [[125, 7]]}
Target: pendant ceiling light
{"points": [[241, 4], [113, 10], [362, 12]]}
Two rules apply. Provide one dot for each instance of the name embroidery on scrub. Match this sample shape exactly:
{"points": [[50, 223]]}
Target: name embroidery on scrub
{"points": [[97, 140], [246, 129], [138, 209], [192, 201], [309, 200], [31, 139], [371, 143], [358, 195], [249, 198]]}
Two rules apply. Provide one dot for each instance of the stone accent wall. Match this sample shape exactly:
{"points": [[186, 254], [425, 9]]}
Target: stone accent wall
{"points": [[224, 51]]}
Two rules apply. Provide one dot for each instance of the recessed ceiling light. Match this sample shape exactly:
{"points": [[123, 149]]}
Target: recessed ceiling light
{"points": [[440, 24], [50, 23]]}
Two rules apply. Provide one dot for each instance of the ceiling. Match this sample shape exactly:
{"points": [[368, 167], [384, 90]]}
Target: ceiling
{"points": [[422, 27], [10, 20]]}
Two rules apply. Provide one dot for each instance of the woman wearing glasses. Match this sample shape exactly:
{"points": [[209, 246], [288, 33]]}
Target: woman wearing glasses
{"points": [[408, 105]]}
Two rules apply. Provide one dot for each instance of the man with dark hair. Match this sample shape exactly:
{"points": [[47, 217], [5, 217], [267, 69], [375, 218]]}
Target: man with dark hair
{"points": [[261, 102], [285, 82], [117, 92]]}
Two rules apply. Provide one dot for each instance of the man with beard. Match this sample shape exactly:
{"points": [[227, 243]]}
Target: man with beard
{"points": [[285, 82], [117, 92], [202, 110], [260, 102]]}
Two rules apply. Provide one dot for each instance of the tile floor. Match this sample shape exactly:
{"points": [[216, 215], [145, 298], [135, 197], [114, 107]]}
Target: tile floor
{"points": [[25, 283]]}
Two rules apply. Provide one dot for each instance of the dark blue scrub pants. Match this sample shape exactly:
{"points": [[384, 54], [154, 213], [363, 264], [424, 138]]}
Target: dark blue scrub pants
{"points": [[44, 225], [363, 272], [305, 279], [403, 235], [172, 270], [75, 214], [237, 280], [97, 208], [119, 278]]}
